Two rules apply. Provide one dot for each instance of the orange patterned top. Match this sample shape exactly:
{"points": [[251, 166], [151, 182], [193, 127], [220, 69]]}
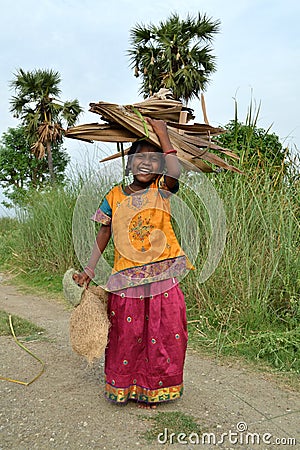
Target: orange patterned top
{"points": [[146, 248]]}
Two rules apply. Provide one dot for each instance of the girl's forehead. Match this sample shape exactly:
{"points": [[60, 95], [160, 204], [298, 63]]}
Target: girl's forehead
{"points": [[147, 148]]}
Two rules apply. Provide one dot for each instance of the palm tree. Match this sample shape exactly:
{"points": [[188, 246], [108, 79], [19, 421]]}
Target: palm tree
{"points": [[175, 55], [41, 111]]}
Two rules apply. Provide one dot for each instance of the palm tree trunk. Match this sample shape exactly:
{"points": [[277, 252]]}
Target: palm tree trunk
{"points": [[50, 162]]}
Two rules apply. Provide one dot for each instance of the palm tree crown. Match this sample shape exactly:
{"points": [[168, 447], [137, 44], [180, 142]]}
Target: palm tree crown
{"points": [[41, 111], [175, 55]]}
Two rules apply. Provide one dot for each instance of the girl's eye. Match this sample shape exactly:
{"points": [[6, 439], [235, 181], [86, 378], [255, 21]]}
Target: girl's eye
{"points": [[147, 157], [155, 157]]}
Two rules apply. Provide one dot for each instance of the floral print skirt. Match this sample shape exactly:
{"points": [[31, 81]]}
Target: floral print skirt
{"points": [[147, 343]]}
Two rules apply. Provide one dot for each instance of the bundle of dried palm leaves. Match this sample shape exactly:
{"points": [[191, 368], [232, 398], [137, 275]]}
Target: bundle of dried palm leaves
{"points": [[193, 142]]}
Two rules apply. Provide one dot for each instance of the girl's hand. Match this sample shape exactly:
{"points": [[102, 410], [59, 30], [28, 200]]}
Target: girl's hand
{"points": [[81, 279], [159, 126], [160, 129]]}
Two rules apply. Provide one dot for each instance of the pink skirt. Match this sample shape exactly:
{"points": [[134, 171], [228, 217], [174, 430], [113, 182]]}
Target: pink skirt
{"points": [[147, 343]]}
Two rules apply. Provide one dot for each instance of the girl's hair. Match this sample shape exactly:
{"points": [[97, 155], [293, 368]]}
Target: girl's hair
{"points": [[134, 149]]}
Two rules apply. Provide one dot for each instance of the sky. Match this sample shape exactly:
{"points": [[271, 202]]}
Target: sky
{"points": [[86, 41]]}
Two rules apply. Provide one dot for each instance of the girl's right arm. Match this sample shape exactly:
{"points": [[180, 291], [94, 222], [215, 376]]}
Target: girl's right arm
{"points": [[101, 242], [172, 162]]}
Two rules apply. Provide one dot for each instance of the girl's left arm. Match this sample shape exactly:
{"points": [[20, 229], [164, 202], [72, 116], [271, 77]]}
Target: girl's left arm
{"points": [[172, 163]]}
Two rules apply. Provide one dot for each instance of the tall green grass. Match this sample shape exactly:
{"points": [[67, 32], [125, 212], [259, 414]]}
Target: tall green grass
{"points": [[38, 244], [249, 306]]}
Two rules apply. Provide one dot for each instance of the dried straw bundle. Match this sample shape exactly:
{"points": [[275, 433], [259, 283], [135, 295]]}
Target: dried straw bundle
{"points": [[89, 324], [193, 142]]}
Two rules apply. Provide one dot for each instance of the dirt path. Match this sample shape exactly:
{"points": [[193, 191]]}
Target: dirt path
{"points": [[65, 407]]}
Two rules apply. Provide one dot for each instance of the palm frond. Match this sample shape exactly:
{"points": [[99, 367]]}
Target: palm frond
{"points": [[194, 143]]}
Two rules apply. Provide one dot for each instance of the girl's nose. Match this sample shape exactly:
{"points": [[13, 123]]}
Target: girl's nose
{"points": [[147, 160]]}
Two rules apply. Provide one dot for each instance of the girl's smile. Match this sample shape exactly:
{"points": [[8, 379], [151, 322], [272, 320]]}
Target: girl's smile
{"points": [[146, 164]]}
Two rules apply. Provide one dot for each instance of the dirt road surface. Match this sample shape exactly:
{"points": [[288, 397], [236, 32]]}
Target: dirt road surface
{"points": [[65, 407]]}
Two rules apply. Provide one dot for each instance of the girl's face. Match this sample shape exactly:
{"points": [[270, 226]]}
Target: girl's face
{"points": [[146, 164]]}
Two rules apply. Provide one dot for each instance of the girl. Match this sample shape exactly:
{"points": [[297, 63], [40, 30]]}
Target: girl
{"points": [[148, 336]]}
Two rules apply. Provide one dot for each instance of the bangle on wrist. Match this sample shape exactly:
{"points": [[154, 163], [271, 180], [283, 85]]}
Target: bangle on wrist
{"points": [[168, 152], [89, 272]]}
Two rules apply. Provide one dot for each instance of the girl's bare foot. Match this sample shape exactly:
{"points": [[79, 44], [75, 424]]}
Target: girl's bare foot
{"points": [[146, 406]]}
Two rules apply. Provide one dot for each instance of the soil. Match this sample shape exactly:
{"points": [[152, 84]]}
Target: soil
{"points": [[65, 407]]}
